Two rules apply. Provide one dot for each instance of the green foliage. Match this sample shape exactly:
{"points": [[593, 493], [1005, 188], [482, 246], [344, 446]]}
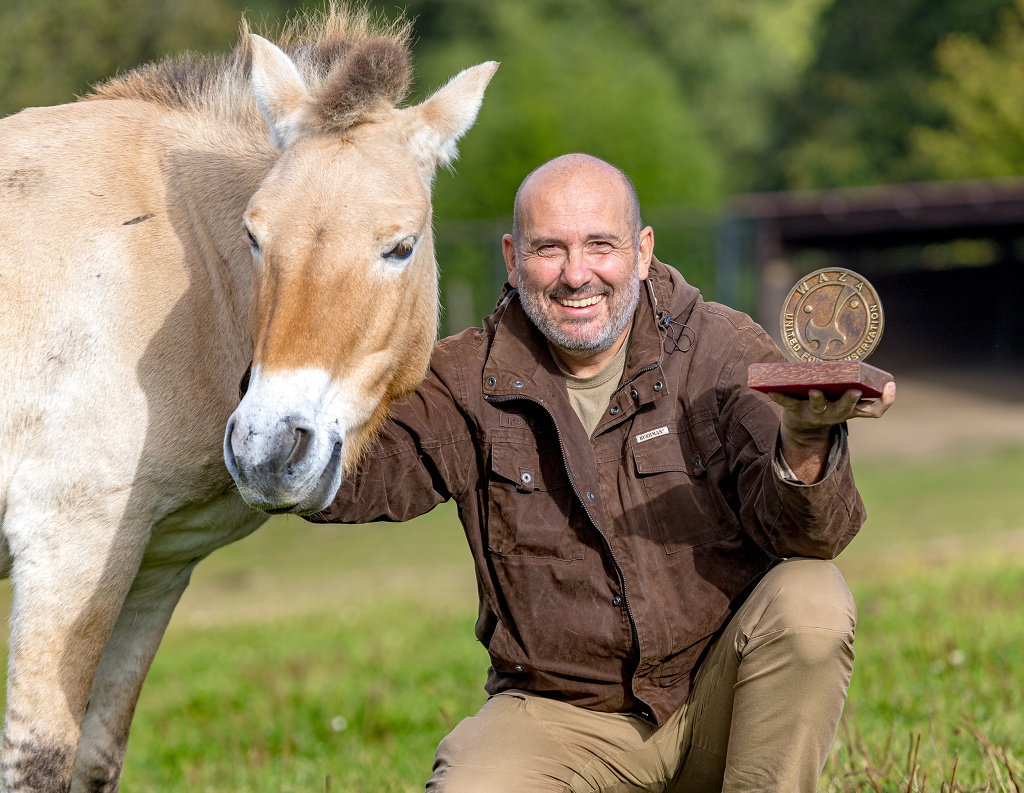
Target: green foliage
{"points": [[850, 121], [571, 80], [981, 91], [734, 59], [53, 50]]}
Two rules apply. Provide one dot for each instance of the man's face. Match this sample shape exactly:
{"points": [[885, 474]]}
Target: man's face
{"points": [[577, 266]]}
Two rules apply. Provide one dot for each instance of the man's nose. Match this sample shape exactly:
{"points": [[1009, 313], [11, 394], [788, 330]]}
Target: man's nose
{"points": [[576, 271]]}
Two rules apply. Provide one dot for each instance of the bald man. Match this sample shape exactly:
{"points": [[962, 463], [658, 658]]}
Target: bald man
{"points": [[649, 535]]}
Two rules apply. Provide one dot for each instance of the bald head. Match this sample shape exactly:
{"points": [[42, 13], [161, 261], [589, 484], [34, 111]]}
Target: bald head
{"points": [[584, 168]]}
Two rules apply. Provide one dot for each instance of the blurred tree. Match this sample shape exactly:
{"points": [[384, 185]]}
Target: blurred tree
{"points": [[851, 119], [53, 50], [982, 93], [734, 59], [572, 79]]}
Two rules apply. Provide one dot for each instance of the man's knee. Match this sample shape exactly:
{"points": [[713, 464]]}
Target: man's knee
{"points": [[502, 749], [809, 593], [803, 610]]}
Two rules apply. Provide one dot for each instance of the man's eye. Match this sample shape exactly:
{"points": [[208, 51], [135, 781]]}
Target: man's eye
{"points": [[403, 250]]}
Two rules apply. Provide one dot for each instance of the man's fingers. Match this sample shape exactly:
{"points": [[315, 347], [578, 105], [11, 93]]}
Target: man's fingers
{"points": [[848, 401], [876, 408], [816, 401], [783, 399]]}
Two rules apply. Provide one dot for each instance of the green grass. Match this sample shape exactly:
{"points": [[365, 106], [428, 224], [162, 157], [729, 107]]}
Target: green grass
{"points": [[309, 652], [940, 654], [281, 707], [978, 496]]}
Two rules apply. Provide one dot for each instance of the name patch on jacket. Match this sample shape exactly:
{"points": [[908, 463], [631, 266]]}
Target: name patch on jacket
{"points": [[646, 436]]}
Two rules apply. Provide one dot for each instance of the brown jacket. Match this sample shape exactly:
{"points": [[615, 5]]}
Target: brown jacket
{"points": [[605, 567]]}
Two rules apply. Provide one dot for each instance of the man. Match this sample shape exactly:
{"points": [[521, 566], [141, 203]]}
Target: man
{"points": [[629, 503]]}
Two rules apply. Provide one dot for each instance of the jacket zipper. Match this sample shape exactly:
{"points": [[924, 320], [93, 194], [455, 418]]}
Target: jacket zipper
{"points": [[583, 501], [636, 374]]}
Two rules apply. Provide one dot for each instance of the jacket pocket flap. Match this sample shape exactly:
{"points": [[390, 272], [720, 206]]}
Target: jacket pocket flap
{"points": [[659, 455], [686, 452], [523, 466]]}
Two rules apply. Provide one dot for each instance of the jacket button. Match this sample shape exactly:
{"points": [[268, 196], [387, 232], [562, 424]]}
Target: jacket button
{"points": [[590, 496], [492, 381], [518, 384], [519, 668], [527, 477], [633, 393], [658, 386], [616, 600], [614, 410]]}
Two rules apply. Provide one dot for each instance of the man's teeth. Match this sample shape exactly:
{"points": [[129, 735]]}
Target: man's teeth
{"points": [[590, 301]]}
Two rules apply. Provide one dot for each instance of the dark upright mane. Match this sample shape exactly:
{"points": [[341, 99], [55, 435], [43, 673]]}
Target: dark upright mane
{"points": [[352, 63]]}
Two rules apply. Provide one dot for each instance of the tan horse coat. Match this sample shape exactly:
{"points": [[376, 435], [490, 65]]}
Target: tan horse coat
{"points": [[132, 297]]}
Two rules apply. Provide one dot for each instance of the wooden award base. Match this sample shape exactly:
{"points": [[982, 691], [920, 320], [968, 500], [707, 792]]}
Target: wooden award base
{"points": [[832, 378]]}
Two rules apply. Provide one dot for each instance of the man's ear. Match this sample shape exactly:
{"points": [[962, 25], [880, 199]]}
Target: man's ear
{"points": [[508, 250], [436, 125], [646, 252], [281, 95]]}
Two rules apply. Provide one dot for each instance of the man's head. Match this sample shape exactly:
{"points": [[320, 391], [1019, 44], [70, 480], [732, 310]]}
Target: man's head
{"points": [[577, 252]]}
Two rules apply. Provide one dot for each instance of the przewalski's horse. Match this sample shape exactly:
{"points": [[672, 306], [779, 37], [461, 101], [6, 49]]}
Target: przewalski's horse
{"points": [[132, 297]]}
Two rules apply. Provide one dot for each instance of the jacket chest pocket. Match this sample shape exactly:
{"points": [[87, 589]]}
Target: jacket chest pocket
{"points": [[531, 510], [681, 504]]}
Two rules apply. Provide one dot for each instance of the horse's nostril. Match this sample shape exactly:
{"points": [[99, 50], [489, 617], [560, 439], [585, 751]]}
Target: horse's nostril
{"points": [[229, 449], [303, 438]]}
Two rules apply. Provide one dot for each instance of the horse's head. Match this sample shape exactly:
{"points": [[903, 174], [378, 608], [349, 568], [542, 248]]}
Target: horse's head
{"points": [[343, 308]]}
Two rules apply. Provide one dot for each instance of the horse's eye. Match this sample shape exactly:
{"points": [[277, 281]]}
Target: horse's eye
{"points": [[403, 250], [251, 240]]}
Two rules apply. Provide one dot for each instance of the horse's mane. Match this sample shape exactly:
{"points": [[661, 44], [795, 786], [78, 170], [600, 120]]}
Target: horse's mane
{"points": [[353, 63]]}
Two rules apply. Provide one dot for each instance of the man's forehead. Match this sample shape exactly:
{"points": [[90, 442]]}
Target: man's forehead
{"points": [[583, 196]]}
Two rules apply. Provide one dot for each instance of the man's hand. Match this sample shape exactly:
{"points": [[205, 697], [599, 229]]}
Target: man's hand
{"points": [[806, 425]]}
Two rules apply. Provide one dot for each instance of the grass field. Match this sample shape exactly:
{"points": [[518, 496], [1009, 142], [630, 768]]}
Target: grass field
{"points": [[312, 658]]}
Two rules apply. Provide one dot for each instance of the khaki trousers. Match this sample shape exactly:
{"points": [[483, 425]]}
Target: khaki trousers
{"points": [[761, 716]]}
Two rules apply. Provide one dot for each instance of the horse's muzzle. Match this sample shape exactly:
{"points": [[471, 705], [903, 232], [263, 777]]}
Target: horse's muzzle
{"points": [[282, 464]]}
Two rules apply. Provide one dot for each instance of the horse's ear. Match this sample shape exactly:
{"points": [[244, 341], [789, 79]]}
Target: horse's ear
{"points": [[436, 125], [281, 95]]}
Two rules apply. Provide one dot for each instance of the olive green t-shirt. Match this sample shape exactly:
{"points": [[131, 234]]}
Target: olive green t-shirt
{"points": [[589, 396]]}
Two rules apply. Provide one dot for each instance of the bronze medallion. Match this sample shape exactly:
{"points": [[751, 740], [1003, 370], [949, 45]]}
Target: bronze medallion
{"points": [[831, 315]]}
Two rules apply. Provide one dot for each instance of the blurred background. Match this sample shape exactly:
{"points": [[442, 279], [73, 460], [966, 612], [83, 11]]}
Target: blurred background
{"points": [[766, 139]]}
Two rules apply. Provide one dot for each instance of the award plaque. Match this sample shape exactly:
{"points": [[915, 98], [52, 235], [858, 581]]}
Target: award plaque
{"points": [[830, 322]]}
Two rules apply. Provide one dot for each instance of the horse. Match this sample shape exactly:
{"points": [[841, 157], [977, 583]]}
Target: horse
{"points": [[271, 205]]}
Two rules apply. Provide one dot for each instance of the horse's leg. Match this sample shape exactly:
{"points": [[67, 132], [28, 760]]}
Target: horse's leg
{"points": [[176, 546], [126, 660], [69, 585]]}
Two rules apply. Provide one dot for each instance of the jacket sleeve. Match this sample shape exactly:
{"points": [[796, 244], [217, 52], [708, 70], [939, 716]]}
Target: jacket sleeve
{"points": [[785, 517], [423, 456]]}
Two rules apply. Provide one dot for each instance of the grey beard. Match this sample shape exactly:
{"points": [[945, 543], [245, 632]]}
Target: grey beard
{"points": [[619, 319]]}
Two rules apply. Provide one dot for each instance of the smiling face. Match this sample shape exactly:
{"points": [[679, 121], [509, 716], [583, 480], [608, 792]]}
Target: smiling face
{"points": [[578, 263]]}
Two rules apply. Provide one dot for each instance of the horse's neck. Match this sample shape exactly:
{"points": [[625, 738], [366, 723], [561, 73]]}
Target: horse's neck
{"points": [[212, 170]]}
